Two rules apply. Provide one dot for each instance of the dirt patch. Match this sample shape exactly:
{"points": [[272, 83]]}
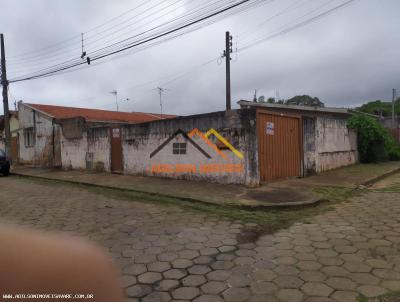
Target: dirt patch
{"points": [[248, 235], [278, 195]]}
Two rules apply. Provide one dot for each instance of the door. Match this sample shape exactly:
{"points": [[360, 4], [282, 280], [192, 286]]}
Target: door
{"points": [[116, 150], [280, 142]]}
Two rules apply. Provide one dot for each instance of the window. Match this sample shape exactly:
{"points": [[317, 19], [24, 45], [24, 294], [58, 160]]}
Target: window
{"points": [[29, 138], [179, 148]]}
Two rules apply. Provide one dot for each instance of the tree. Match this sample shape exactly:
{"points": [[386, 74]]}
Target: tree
{"points": [[374, 141], [271, 100], [380, 108], [305, 100]]}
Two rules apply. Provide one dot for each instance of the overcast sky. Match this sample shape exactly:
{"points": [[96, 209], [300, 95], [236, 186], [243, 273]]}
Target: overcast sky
{"points": [[345, 58]]}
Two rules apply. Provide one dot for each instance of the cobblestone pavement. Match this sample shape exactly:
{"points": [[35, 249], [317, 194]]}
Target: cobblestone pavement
{"points": [[166, 253]]}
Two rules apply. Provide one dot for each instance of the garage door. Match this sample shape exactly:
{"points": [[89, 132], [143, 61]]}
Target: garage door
{"points": [[279, 138]]}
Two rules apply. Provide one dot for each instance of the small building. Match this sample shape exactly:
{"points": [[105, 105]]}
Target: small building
{"points": [[14, 130], [302, 140], [73, 138]]}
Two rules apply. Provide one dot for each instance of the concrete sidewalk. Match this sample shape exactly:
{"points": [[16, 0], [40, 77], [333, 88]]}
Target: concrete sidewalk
{"points": [[290, 192]]}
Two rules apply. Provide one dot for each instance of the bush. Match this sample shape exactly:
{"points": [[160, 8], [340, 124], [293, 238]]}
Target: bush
{"points": [[375, 143]]}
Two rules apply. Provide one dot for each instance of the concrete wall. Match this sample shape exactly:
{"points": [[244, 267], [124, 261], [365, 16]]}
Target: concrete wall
{"points": [[238, 127], [41, 153], [90, 151], [336, 145]]}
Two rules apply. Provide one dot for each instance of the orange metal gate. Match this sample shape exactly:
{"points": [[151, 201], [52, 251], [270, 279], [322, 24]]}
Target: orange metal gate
{"points": [[116, 150], [279, 138]]}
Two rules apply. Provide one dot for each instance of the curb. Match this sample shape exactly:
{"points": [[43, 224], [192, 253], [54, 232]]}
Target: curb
{"points": [[283, 205], [379, 177]]}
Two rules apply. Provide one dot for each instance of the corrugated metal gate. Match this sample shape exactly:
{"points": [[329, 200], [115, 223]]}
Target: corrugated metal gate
{"points": [[116, 150], [279, 138]]}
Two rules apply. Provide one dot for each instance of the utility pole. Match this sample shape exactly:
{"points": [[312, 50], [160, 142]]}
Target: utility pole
{"points": [[4, 83], [393, 102], [227, 55]]}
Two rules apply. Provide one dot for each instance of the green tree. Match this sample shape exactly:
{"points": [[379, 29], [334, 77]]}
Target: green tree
{"points": [[375, 143], [379, 107], [305, 100]]}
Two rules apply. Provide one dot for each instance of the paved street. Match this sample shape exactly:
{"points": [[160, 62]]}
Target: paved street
{"points": [[166, 253]]}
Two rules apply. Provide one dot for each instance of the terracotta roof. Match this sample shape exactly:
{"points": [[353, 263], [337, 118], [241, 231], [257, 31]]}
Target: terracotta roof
{"points": [[97, 115]]}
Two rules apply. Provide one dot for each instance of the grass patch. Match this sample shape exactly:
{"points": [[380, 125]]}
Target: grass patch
{"points": [[268, 220], [393, 296]]}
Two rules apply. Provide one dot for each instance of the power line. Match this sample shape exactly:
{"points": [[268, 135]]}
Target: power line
{"points": [[135, 44]]}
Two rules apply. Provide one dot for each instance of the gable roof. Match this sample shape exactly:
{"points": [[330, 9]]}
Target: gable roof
{"points": [[97, 115]]}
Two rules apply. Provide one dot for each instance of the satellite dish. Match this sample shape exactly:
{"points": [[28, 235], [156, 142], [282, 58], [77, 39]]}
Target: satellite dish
{"points": [[261, 99]]}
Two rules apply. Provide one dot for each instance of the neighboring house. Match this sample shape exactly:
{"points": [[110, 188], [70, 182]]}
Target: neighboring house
{"points": [[72, 138], [14, 129], [302, 140]]}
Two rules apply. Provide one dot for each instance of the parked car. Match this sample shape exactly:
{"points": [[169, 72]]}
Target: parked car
{"points": [[4, 163]]}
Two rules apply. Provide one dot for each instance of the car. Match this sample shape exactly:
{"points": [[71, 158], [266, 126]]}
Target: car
{"points": [[4, 163]]}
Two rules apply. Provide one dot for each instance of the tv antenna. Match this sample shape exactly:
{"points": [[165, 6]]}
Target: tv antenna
{"points": [[161, 90]]}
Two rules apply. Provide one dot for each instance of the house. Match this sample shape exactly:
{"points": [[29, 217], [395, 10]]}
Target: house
{"points": [[14, 130], [72, 138], [258, 142]]}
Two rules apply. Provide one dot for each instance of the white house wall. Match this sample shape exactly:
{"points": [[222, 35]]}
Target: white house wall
{"points": [[336, 145], [41, 153], [139, 141]]}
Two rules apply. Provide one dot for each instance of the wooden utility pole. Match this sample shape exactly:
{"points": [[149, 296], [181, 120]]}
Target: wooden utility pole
{"points": [[227, 55], [4, 83]]}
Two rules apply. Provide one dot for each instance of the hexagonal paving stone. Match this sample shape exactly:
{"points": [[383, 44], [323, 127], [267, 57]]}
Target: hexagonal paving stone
{"points": [[167, 256], [236, 294], [345, 296], [208, 251], [308, 265], [175, 274], [393, 285], [341, 283], [334, 271], [208, 298], [364, 278], [167, 285], [371, 290], [288, 282], [138, 290], [203, 260], [227, 248], [286, 270], [194, 280], [127, 280], [290, 295], [199, 269], [312, 276], [214, 287], [182, 263], [219, 275], [188, 254], [356, 267], [222, 265], [240, 280], [135, 269], [263, 287], [185, 293], [157, 296], [264, 275], [386, 273], [149, 278], [331, 261], [158, 267], [316, 289]]}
